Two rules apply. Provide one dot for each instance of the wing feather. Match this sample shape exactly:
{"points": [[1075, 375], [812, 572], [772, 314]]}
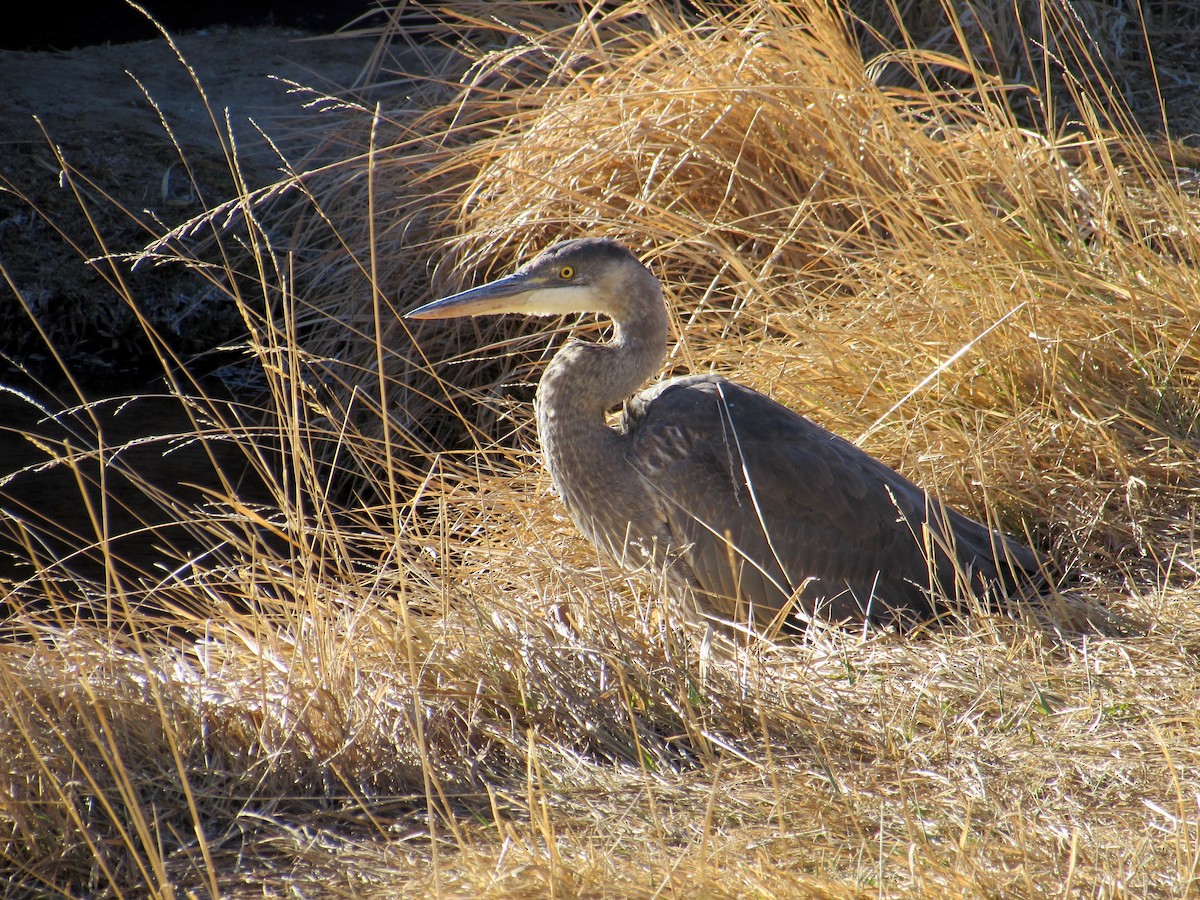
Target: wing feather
{"points": [[770, 509]]}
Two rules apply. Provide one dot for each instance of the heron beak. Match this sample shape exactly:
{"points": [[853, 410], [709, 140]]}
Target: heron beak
{"points": [[523, 292], [509, 294]]}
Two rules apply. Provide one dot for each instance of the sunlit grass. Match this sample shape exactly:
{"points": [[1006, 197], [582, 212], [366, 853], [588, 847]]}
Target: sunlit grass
{"points": [[385, 664]]}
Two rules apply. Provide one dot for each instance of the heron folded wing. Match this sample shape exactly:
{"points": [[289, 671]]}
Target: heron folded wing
{"points": [[770, 508]]}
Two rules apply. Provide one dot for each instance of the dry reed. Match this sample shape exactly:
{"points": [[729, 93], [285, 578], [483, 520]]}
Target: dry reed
{"points": [[403, 674]]}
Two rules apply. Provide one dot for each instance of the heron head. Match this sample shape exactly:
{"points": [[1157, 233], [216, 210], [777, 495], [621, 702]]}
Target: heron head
{"points": [[583, 275]]}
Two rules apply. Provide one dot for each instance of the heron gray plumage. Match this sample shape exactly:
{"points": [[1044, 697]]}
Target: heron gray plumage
{"points": [[755, 513]]}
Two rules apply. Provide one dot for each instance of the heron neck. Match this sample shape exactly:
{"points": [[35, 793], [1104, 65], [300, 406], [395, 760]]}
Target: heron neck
{"points": [[584, 380], [586, 458]]}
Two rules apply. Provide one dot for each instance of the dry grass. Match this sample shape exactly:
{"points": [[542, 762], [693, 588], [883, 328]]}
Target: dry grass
{"points": [[399, 672]]}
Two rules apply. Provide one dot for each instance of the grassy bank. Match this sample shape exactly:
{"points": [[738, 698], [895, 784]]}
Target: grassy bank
{"points": [[380, 662]]}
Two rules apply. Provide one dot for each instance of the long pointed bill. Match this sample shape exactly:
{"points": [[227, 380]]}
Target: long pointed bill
{"points": [[519, 293], [500, 296]]}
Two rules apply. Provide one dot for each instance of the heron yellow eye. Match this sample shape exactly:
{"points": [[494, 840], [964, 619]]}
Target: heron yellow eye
{"points": [[566, 273]]}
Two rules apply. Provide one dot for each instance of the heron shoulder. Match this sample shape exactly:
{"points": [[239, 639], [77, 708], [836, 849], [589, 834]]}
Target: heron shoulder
{"points": [[714, 403]]}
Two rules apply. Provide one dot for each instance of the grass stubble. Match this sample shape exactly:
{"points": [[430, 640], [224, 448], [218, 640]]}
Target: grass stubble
{"points": [[402, 673]]}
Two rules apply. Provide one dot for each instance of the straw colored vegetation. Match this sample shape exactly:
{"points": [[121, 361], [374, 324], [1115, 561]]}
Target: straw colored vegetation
{"points": [[398, 671]]}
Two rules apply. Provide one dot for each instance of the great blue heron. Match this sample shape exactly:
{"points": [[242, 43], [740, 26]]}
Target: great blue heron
{"points": [[754, 513]]}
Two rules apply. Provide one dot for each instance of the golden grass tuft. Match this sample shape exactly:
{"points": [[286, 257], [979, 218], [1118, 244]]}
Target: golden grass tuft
{"points": [[395, 670]]}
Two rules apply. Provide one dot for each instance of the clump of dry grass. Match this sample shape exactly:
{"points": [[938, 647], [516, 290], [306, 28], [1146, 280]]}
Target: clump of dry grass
{"points": [[1118, 63], [402, 673]]}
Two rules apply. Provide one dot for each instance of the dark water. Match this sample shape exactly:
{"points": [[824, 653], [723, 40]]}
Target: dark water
{"points": [[104, 494]]}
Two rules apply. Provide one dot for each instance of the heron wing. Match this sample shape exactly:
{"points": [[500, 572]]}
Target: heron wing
{"points": [[769, 508]]}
